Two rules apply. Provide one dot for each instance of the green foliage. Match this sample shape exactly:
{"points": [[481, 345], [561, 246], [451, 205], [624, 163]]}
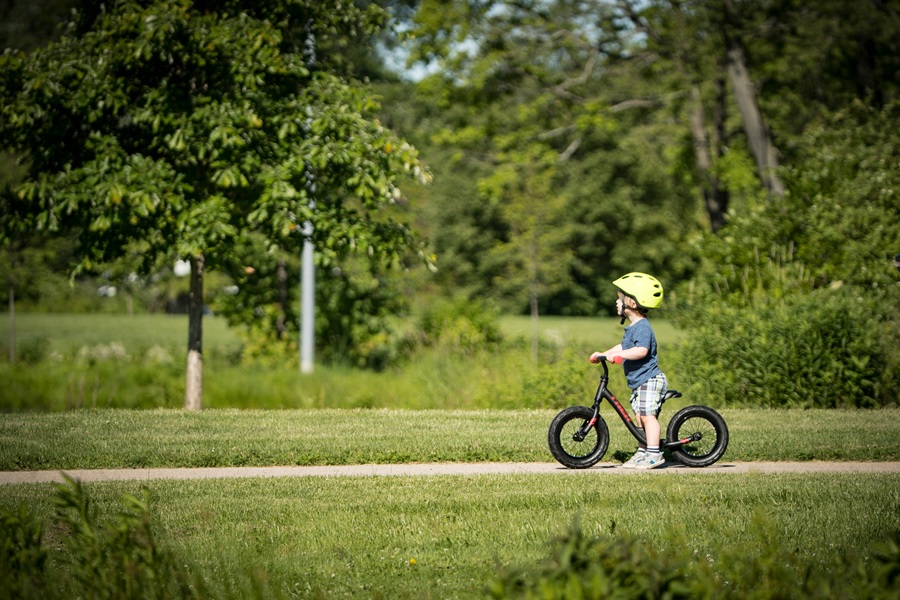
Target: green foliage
{"points": [[459, 326], [795, 302], [118, 560], [845, 206], [569, 187], [185, 128], [612, 566], [826, 348], [356, 302], [23, 558], [622, 566]]}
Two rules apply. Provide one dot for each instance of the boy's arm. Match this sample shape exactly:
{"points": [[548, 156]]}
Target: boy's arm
{"points": [[635, 353]]}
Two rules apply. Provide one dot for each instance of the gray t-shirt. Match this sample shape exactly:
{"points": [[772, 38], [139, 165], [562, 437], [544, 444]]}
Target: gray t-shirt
{"points": [[639, 372]]}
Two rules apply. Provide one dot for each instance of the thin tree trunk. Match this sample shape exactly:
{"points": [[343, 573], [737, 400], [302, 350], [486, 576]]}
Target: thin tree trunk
{"points": [[12, 322], [534, 324], [714, 194], [281, 323], [193, 399], [533, 298], [760, 141]]}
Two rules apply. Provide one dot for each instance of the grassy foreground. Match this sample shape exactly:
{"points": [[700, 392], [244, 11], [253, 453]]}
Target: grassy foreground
{"points": [[419, 537], [175, 438], [446, 537]]}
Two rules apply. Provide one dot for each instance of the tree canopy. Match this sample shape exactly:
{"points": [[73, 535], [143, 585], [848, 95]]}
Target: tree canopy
{"points": [[186, 126]]}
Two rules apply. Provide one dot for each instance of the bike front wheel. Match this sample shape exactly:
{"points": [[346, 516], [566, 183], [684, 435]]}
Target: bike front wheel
{"points": [[565, 445], [705, 434]]}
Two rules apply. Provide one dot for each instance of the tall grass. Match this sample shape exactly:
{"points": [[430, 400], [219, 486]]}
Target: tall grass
{"points": [[108, 361]]}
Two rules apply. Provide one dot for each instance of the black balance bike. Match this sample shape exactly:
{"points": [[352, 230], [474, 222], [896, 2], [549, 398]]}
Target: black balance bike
{"points": [[696, 435]]}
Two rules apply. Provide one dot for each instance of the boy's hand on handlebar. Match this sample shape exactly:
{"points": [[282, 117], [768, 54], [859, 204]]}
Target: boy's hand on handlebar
{"points": [[596, 357]]}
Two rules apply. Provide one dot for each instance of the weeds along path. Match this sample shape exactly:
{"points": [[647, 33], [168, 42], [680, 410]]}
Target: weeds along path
{"points": [[420, 469]]}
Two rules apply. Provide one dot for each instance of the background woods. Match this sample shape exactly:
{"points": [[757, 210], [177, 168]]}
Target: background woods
{"points": [[746, 152]]}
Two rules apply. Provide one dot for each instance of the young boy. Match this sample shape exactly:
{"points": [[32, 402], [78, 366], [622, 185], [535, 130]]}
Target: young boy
{"points": [[638, 293]]}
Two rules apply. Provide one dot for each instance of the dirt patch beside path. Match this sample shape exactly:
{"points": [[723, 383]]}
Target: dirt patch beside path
{"points": [[419, 469]]}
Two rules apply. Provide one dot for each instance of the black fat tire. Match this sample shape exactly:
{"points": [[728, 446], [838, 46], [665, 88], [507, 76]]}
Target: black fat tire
{"points": [[573, 454], [707, 422]]}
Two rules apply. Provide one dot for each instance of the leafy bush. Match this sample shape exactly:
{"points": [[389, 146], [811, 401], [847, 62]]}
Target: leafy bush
{"points": [[564, 379], [458, 325], [34, 350], [828, 348]]}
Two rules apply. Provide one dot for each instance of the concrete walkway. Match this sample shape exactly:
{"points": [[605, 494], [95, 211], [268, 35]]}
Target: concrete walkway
{"points": [[90, 475]]}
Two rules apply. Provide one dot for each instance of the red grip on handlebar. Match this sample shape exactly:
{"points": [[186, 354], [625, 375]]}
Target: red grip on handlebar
{"points": [[618, 360]]}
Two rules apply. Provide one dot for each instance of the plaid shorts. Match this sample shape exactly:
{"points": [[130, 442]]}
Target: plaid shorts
{"points": [[647, 399]]}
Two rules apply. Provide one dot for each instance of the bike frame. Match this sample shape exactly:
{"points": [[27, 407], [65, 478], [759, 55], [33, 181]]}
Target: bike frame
{"points": [[603, 393]]}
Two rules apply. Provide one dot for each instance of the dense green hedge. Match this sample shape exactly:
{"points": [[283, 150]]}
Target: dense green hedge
{"points": [[826, 348]]}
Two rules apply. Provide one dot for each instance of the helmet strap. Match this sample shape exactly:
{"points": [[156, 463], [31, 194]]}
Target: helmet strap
{"points": [[624, 308]]}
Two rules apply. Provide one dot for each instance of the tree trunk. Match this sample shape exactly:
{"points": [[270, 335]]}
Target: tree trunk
{"points": [[714, 194], [760, 141], [193, 399], [533, 299], [281, 322], [534, 324], [12, 322]]}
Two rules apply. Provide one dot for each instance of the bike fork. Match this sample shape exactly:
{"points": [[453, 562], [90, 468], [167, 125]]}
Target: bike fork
{"points": [[583, 430]]}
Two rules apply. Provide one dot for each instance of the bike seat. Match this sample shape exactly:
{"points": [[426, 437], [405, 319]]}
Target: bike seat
{"points": [[671, 394]]}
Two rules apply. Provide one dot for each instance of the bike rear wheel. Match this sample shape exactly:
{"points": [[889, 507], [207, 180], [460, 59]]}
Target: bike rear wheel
{"points": [[708, 435], [567, 449]]}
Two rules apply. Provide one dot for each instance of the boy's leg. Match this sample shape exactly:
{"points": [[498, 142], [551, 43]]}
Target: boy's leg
{"points": [[651, 430], [642, 448], [639, 423], [648, 402]]}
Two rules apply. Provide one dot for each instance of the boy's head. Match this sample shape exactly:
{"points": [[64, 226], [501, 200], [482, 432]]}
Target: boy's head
{"points": [[639, 292]]}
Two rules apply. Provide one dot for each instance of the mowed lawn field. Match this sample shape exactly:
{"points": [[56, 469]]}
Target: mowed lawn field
{"points": [[442, 536]]}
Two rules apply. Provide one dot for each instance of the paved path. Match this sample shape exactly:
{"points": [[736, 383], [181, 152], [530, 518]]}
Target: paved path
{"points": [[86, 475]]}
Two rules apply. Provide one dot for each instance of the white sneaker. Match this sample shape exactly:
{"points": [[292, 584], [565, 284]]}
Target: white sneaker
{"points": [[652, 461], [635, 460]]}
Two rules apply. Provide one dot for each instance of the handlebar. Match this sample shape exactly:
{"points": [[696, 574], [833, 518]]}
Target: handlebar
{"points": [[599, 358]]}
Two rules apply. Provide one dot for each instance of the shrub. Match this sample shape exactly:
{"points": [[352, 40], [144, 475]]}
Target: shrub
{"points": [[458, 325], [34, 350], [826, 348]]}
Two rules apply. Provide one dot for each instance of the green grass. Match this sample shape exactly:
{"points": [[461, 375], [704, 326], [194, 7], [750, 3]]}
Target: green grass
{"points": [[332, 537], [66, 334], [175, 438], [599, 333], [356, 537], [68, 362]]}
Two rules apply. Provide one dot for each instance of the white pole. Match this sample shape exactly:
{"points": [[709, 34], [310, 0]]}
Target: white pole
{"points": [[307, 305]]}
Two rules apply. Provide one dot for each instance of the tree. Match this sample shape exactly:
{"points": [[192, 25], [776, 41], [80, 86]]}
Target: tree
{"points": [[189, 125], [522, 80]]}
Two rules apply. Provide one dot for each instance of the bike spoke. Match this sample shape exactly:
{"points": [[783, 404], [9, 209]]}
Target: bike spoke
{"points": [[708, 439], [573, 447]]}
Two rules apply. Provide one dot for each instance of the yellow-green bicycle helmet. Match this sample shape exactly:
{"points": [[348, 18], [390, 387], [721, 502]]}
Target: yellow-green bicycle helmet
{"points": [[646, 290]]}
